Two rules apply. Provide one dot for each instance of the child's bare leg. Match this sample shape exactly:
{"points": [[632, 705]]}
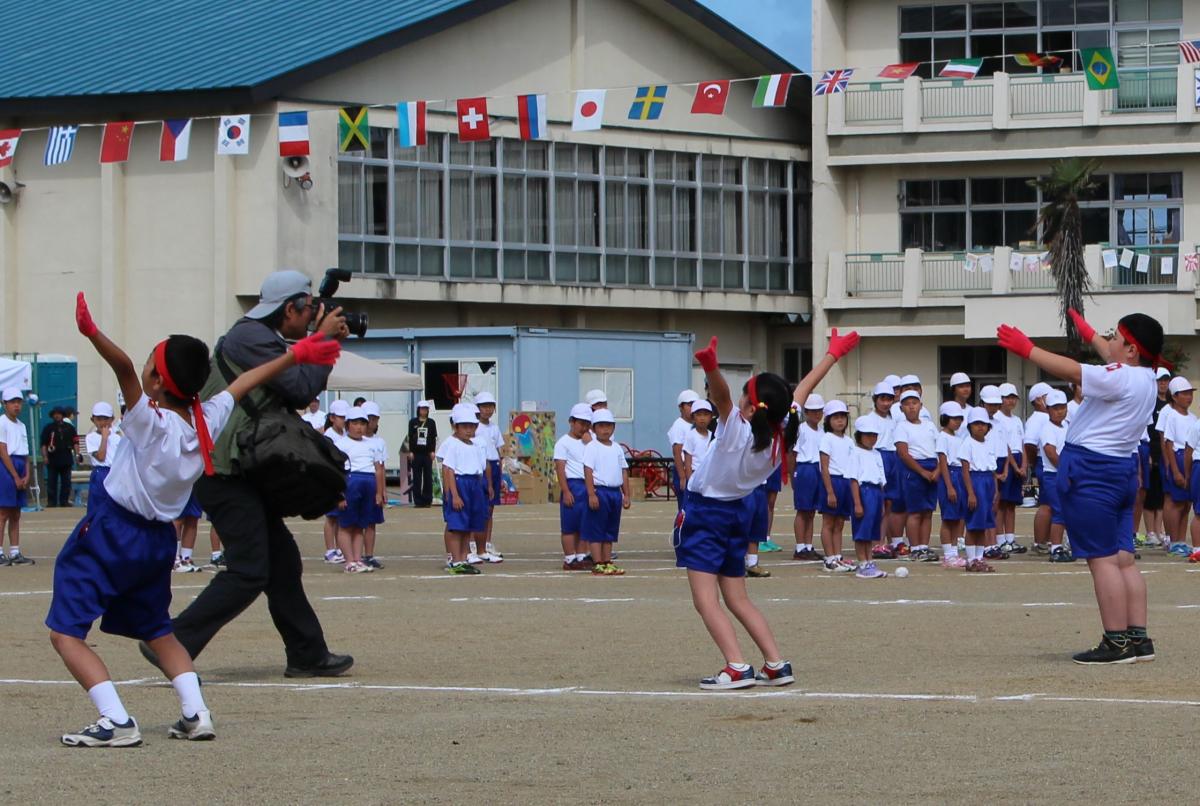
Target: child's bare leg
{"points": [[802, 527], [569, 542], [738, 602], [331, 531], [706, 600], [1136, 609], [369, 541], [771, 498], [3, 523], [345, 541], [80, 659], [1111, 593], [827, 528], [14, 528], [356, 543]]}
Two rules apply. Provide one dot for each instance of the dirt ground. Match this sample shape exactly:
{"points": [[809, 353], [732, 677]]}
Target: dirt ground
{"points": [[530, 685]]}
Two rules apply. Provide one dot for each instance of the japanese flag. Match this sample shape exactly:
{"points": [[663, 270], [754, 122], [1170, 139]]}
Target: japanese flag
{"points": [[589, 110]]}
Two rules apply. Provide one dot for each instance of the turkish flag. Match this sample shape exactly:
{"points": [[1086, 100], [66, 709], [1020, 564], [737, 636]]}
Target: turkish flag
{"points": [[115, 145], [710, 98], [473, 119]]}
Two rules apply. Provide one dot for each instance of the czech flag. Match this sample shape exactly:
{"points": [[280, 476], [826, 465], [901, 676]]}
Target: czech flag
{"points": [[293, 134], [531, 117], [173, 146]]}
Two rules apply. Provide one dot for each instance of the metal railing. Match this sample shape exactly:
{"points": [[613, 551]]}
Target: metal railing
{"points": [[874, 274], [1145, 269], [876, 102], [1033, 96], [956, 98], [1039, 279], [945, 273], [1145, 88]]}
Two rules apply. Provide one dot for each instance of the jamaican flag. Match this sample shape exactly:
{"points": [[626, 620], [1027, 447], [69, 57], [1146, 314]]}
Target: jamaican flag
{"points": [[353, 134]]}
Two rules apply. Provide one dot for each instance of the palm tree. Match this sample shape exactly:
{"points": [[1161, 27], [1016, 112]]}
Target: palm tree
{"points": [[1062, 233]]}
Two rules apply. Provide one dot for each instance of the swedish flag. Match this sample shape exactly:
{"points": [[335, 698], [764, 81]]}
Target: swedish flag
{"points": [[648, 103], [1100, 67], [353, 132]]}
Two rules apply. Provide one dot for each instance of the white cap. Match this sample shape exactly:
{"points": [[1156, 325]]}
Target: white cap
{"points": [[959, 378], [581, 411], [1161, 372], [814, 401], [339, 408], [357, 413], [425, 404], [370, 408], [909, 380], [701, 405], [866, 425], [990, 394], [1056, 398], [1039, 389], [12, 393], [1008, 390], [978, 414], [835, 407], [907, 393], [892, 381], [102, 409], [687, 396], [1179, 384], [596, 396], [484, 397], [883, 388], [463, 413], [603, 416], [951, 409]]}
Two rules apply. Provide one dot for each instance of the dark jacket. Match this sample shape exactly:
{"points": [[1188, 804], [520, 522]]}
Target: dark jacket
{"points": [[59, 441], [430, 438]]}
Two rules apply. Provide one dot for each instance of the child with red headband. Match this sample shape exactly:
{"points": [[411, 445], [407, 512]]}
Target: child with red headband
{"points": [[713, 528], [1097, 470], [116, 565]]}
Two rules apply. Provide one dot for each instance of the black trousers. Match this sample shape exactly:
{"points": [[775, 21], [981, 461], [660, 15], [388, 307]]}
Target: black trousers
{"points": [[261, 556], [422, 479], [58, 486]]}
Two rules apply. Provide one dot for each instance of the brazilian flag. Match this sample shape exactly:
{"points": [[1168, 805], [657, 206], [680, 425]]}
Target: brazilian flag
{"points": [[1100, 67], [353, 134]]}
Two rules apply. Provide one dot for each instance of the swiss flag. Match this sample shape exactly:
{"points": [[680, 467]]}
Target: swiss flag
{"points": [[115, 145], [710, 98], [473, 119], [8, 145]]}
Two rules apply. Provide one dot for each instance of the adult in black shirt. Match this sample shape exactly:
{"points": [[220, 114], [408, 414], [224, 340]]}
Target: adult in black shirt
{"points": [[421, 444], [58, 454]]}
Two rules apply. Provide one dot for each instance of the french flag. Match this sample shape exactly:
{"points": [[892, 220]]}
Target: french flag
{"points": [[531, 117], [410, 120], [293, 134], [173, 147]]}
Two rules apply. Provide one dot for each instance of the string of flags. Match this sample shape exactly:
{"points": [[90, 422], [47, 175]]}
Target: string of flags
{"points": [[1112, 259]]}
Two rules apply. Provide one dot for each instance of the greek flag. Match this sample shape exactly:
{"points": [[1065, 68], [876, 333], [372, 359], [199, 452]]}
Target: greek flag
{"points": [[60, 144]]}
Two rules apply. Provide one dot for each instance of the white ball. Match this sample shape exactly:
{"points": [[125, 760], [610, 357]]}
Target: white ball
{"points": [[902, 572]]}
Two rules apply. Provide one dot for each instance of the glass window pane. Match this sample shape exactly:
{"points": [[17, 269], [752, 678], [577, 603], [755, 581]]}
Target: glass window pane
{"points": [[1019, 191], [777, 225], [587, 159], [1131, 10], [538, 266], [756, 173], [710, 221], [685, 167], [485, 264], [564, 157], [731, 223], [1100, 190], [536, 205], [636, 220], [777, 175], [635, 162], [1023, 13], [460, 205], [954, 47], [485, 153], [614, 215], [991, 48], [614, 161], [664, 272], [987, 191], [1095, 224], [987, 15], [514, 154], [916, 193], [1059, 12], [987, 229], [1166, 10], [350, 198], [485, 208], [431, 204], [639, 270], [918, 50], [408, 260], [407, 204], [460, 152], [1091, 11], [1165, 186], [377, 199], [350, 255], [758, 276], [614, 270], [536, 154], [589, 214], [1018, 43], [460, 262], [777, 277], [564, 211], [712, 274], [375, 257], [916, 19], [662, 165], [731, 170], [433, 261], [589, 268], [950, 18], [710, 168], [663, 217], [1131, 187], [514, 212], [916, 230], [757, 224], [1019, 225], [951, 191], [732, 271], [514, 264], [685, 220], [379, 141], [949, 232], [432, 151]]}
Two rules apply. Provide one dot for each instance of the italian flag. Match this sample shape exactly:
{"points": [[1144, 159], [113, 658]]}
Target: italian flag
{"points": [[772, 90], [961, 68]]}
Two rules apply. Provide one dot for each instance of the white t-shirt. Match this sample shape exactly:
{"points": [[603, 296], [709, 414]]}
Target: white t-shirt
{"points": [[332, 434], [948, 444], [1193, 438], [808, 445], [14, 436], [1072, 407], [606, 462], [91, 444], [1034, 425], [866, 467], [979, 455], [361, 454], [1011, 429], [996, 441], [488, 435], [840, 451], [464, 458], [1117, 399], [380, 447], [1055, 435], [677, 432], [696, 445], [570, 450], [732, 469], [1174, 426], [314, 418], [159, 461], [885, 427], [921, 438]]}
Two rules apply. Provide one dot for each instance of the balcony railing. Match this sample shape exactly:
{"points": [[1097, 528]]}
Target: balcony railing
{"points": [[945, 274], [956, 98], [1047, 96], [874, 274], [1144, 89], [877, 102], [1145, 269]]}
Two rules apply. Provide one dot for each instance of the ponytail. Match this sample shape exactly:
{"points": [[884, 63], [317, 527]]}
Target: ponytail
{"points": [[792, 430]]}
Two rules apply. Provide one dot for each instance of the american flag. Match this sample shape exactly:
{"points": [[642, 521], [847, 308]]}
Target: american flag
{"points": [[1190, 51], [833, 82]]}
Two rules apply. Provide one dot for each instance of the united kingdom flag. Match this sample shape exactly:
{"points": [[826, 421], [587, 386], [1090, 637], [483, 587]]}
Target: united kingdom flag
{"points": [[833, 82]]}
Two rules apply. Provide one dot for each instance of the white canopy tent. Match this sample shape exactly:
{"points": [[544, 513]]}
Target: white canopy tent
{"points": [[360, 374], [16, 373]]}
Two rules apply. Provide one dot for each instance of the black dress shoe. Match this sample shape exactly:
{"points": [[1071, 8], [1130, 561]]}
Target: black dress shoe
{"points": [[329, 666]]}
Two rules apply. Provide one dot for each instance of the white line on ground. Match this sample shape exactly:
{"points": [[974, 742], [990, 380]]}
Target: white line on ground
{"points": [[345, 598], [523, 599]]}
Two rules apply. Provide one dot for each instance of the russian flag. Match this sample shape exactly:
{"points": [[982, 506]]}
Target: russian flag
{"points": [[410, 116], [293, 134], [531, 117], [173, 147]]}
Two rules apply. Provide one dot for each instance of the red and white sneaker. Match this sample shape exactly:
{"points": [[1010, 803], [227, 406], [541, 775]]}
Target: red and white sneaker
{"points": [[954, 562], [775, 677], [730, 678], [1194, 557], [901, 550]]}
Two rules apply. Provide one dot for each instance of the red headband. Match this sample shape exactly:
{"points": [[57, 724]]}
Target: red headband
{"points": [[1156, 360], [206, 443], [778, 449]]}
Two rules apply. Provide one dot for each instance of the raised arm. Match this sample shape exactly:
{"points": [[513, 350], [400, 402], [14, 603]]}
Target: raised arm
{"points": [[718, 387], [839, 347], [1013, 340], [127, 374], [314, 349]]}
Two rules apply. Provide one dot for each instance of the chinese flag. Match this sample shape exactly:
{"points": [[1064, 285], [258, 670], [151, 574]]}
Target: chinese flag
{"points": [[900, 71], [710, 98], [115, 145]]}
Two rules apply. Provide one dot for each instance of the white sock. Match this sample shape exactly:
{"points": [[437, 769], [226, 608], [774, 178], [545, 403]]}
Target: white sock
{"points": [[751, 560], [973, 553], [185, 555], [104, 696], [775, 664], [921, 547], [741, 667], [950, 550], [191, 701], [1055, 547], [216, 555], [472, 547], [896, 541], [13, 551]]}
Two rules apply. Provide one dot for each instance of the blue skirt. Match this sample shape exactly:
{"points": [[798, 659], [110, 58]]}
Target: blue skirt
{"points": [[474, 514], [1098, 493], [1179, 494], [360, 502], [952, 510], [96, 491], [893, 491], [919, 495], [711, 536], [602, 525], [10, 496], [569, 518], [841, 489], [806, 486], [983, 516], [868, 527]]}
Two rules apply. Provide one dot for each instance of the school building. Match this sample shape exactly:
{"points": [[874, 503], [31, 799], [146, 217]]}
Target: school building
{"points": [[922, 206], [688, 224]]}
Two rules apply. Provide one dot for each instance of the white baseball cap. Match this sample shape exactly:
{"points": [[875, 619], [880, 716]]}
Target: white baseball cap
{"points": [[603, 416], [990, 394], [483, 398], [959, 378], [701, 405], [951, 409], [835, 407], [866, 425], [1161, 372], [909, 380], [907, 393], [12, 393], [687, 396], [892, 381], [1179, 384], [425, 404], [371, 408], [339, 408], [581, 411], [978, 414], [356, 413], [1056, 398], [1008, 390], [814, 401], [278, 288], [596, 396], [463, 413], [1039, 389], [102, 409], [883, 388]]}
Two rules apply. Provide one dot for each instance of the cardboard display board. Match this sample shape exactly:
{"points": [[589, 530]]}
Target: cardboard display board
{"points": [[530, 438]]}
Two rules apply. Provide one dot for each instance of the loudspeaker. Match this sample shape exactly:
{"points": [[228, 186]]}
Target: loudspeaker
{"points": [[297, 168], [9, 193]]}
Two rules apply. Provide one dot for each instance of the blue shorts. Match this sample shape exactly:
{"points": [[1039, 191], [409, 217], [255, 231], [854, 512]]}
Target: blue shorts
{"points": [[952, 510], [96, 491], [569, 518], [474, 514], [1194, 485], [983, 516], [841, 489], [494, 464], [1098, 493], [775, 480], [893, 491], [602, 525], [1144, 464], [680, 490], [376, 514], [192, 510], [806, 487], [1049, 497], [758, 514], [116, 567], [711, 536], [360, 502], [1013, 487], [10, 496], [867, 528], [1178, 494], [919, 495]]}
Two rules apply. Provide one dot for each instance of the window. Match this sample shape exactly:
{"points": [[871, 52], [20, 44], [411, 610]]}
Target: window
{"points": [[933, 215], [985, 365], [616, 383], [451, 381], [797, 362]]}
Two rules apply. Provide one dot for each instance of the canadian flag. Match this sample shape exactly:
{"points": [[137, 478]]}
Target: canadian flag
{"points": [[8, 145], [710, 98], [589, 111], [473, 119]]}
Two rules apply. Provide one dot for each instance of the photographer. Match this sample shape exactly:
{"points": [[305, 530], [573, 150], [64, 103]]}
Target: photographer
{"points": [[260, 552]]}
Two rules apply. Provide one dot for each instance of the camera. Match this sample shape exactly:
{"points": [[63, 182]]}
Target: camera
{"points": [[355, 322]]}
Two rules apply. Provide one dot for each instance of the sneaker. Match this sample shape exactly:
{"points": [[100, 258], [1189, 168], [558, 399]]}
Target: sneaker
{"points": [[837, 566], [474, 559], [901, 550], [490, 548], [982, 567], [1194, 557], [186, 567], [585, 564], [807, 555], [216, 561], [971, 567], [924, 556], [1061, 555], [488, 557], [357, 568], [1041, 548], [370, 561], [103, 733], [1141, 541], [882, 553], [1015, 548], [599, 569], [334, 557], [3, 559], [848, 565], [196, 729], [1178, 549], [1107, 652], [458, 569], [870, 571], [757, 571], [769, 546], [611, 570], [954, 562], [729, 678], [1143, 649], [995, 553], [775, 677], [20, 559]]}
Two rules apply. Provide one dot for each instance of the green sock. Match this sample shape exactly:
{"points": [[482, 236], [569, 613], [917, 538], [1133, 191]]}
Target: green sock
{"points": [[1117, 637], [1136, 633]]}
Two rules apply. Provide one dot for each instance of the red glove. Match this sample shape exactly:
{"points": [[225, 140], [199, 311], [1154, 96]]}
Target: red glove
{"points": [[1086, 331], [1013, 340], [708, 356], [83, 317], [841, 346], [317, 349]]}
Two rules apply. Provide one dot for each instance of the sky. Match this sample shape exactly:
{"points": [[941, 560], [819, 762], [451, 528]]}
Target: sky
{"points": [[782, 25]]}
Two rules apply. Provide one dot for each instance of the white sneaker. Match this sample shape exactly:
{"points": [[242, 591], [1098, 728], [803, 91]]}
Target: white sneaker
{"points": [[489, 557], [491, 549], [474, 559], [838, 566], [334, 557], [186, 567], [197, 729], [103, 733]]}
